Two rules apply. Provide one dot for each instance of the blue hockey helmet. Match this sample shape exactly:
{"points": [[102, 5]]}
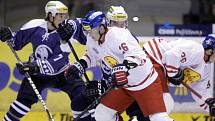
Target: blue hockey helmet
{"points": [[209, 42], [94, 19]]}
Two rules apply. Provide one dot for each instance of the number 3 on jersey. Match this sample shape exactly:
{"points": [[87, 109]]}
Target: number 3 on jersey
{"points": [[123, 47]]}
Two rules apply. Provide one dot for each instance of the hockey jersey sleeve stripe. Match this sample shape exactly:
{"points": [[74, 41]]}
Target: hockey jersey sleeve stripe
{"points": [[153, 51], [40, 66], [45, 67], [171, 67], [50, 68], [157, 48], [150, 75], [171, 71]]}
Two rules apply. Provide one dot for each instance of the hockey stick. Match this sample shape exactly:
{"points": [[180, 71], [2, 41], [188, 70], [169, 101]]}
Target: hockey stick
{"points": [[193, 91], [31, 83], [77, 59], [95, 102]]}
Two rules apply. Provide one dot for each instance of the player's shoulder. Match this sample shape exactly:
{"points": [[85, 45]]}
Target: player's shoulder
{"points": [[34, 23], [116, 32]]}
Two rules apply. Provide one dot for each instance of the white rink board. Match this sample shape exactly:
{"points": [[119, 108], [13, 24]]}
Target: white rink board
{"points": [[183, 102]]}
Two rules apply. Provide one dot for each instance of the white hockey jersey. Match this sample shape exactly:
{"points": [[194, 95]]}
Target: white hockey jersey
{"points": [[182, 54], [119, 45]]}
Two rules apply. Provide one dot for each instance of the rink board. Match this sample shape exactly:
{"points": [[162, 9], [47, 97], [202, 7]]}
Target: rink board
{"points": [[41, 116]]}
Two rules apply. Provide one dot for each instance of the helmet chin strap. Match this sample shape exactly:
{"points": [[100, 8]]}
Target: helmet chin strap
{"points": [[52, 23]]}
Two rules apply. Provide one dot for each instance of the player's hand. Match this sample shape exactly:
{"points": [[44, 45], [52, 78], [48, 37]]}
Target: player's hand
{"points": [[119, 75], [92, 91], [65, 30], [210, 102], [74, 71], [28, 67], [5, 34], [178, 78]]}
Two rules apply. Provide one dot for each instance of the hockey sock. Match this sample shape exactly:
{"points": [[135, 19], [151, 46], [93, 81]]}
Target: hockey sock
{"points": [[16, 111]]}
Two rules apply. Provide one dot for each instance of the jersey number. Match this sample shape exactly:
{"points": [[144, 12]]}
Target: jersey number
{"points": [[123, 47], [183, 57]]}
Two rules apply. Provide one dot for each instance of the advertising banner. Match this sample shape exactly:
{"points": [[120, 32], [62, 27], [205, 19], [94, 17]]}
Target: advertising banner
{"points": [[182, 30]]}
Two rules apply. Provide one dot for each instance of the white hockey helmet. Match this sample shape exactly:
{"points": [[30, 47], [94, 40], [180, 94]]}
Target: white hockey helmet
{"points": [[117, 13], [54, 7]]}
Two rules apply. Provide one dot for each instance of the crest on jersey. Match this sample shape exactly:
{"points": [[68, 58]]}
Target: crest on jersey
{"points": [[110, 61], [191, 76], [43, 52]]}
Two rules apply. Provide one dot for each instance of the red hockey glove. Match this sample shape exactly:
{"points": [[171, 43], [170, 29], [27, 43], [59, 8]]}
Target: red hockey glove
{"points": [[119, 75]]}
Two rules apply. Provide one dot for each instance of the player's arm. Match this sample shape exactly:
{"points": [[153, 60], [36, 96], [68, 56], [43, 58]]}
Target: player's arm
{"points": [[76, 70], [204, 88], [22, 37], [70, 30], [173, 59], [120, 45]]}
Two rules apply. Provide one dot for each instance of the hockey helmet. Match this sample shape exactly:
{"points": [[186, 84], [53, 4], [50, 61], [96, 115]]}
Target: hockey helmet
{"points": [[209, 42], [93, 19], [117, 13], [54, 7]]}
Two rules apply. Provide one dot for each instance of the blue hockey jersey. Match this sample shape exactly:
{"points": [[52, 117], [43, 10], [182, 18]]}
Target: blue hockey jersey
{"points": [[46, 46]]}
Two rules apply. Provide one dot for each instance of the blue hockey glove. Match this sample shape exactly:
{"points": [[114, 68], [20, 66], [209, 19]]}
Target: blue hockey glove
{"points": [[65, 30], [28, 67], [119, 75], [5, 34]]}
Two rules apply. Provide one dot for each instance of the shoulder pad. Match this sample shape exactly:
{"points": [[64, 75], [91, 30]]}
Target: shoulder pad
{"points": [[34, 23]]}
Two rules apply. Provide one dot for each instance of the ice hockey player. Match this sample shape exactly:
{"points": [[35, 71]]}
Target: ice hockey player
{"points": [[117, 16], [131, 71], [182, 58], [47, 62]]}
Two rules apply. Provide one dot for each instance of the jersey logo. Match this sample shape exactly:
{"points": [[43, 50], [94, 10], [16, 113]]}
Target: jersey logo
{"points": [[191, 76], [110, 61], [43, 52], [45, 36]]}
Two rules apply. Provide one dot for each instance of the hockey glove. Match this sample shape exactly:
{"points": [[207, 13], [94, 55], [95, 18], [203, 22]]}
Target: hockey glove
{"points": [[119, 75], [76, 70], [65, 30], [92, 91], [210, 102], [28, 67], [5, 34], [178, 78]]}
